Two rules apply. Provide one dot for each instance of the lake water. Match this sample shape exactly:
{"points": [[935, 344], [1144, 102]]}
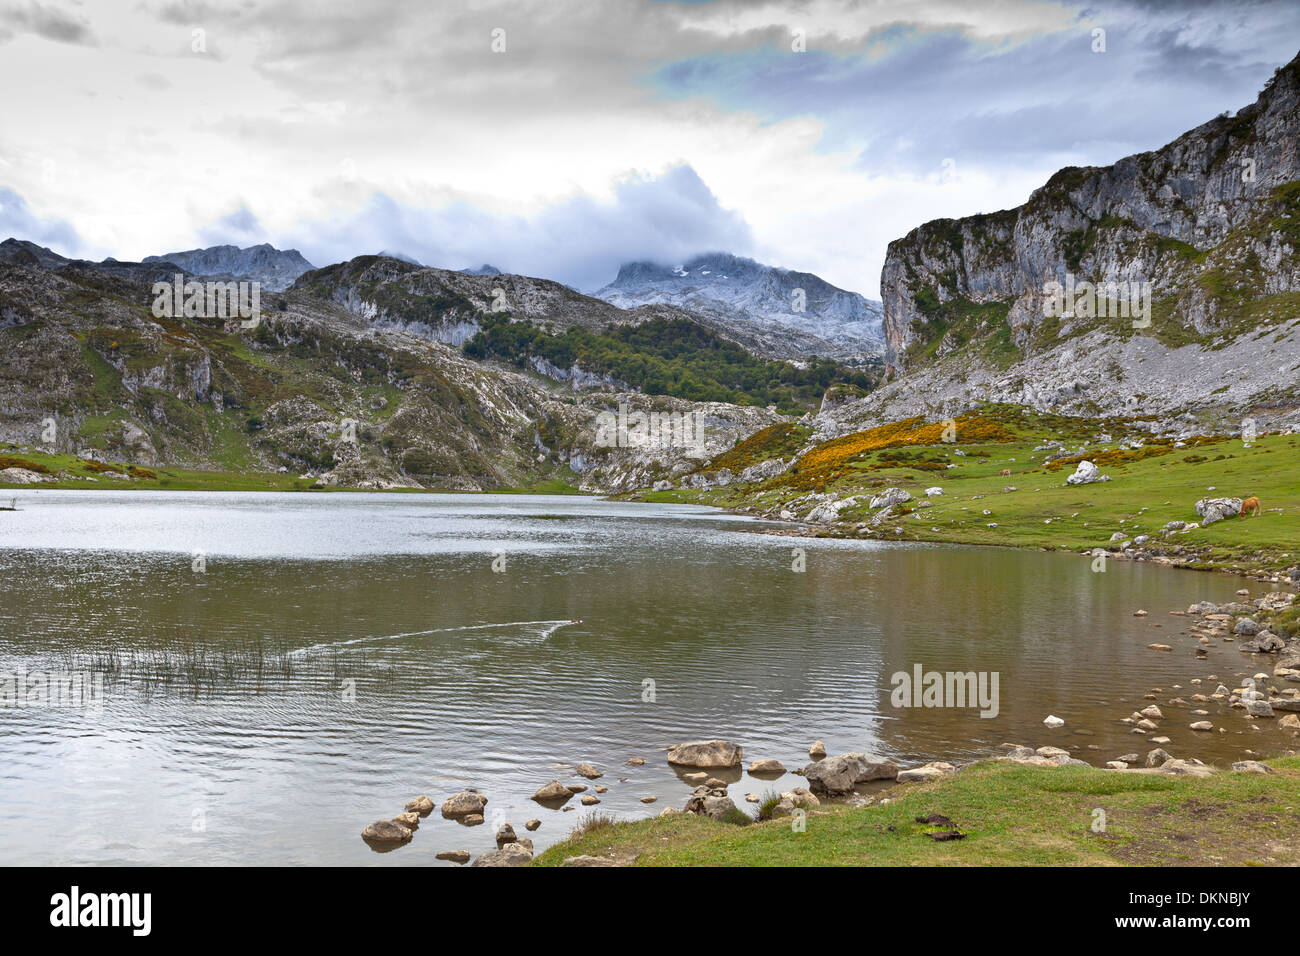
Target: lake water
{"points": [[284, 669]]}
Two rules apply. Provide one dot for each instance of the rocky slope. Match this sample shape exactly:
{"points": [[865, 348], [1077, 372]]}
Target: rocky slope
{"points": [[86, 368], [20, 252], [755, 305], [1207, 227], [446, 305]]}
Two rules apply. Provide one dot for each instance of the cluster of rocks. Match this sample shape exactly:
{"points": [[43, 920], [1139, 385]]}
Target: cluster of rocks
{"points": [[839, 776], [465, 807], [827, 777], [1157, 761], [1162, 545], [1257, 697], [512, 850], [1250, 625], [1211, 510]]}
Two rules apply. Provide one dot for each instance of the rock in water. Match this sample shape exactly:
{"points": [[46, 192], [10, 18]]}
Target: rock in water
{"points": [[386, 831], [839, 775], [512, 854], [463, 804], [506, 834], [553, 792], [708, 754], [421, 805]]}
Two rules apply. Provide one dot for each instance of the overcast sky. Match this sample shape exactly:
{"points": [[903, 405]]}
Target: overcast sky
{"points": [[602, 132]]}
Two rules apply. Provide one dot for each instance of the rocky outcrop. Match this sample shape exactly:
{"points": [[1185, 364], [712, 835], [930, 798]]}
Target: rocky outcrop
{"points": [[1197, 241], [1160, 218], [1216, 509], [836, 776], [1085, 474]]}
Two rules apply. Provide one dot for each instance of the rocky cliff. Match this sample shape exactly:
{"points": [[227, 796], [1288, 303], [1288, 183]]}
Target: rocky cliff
{"points": [[1167, 283], [1207, 226]]}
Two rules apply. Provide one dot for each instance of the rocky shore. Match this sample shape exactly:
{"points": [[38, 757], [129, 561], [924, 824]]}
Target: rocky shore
{"points": [[1263, 629]]}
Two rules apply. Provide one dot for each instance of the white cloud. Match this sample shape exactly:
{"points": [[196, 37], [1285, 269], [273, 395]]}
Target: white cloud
{"points": [[345, 127]]}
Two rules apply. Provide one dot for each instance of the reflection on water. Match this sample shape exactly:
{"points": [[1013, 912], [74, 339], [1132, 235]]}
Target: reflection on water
{"points": [[340, 654]]}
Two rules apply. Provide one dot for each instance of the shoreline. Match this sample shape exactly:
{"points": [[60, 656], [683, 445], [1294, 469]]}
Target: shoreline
{"points": [[1011, 777], [853, 782], [807, 530]]}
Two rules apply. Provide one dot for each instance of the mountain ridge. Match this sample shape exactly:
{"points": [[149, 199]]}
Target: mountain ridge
{"points": [[782, 313]]}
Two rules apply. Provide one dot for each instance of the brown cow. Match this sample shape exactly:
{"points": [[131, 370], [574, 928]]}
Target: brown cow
{"points": [[1005, 472], [1250, 505]]}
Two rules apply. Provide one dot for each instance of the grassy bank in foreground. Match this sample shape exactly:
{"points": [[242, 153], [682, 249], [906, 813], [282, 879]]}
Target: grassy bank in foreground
{"points": [[1032, 506], [1012, 815]]}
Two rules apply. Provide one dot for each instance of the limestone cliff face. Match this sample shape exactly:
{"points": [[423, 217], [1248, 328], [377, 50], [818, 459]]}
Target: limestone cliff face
{"points": [[1210, 223]]}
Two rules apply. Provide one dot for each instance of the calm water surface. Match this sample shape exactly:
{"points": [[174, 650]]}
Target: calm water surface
{"points": [[343, 653]]}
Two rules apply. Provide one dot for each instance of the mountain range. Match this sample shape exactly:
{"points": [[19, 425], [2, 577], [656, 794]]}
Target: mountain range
{"points": [[478, 379]]}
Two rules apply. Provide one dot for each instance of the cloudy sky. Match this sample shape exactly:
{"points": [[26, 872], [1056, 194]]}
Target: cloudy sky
{"points": [[561, 137]]}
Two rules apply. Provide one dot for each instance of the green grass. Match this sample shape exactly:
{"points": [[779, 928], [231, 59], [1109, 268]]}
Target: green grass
{"points": [[552, 486], [1143, 495], [1012, 815], [73, 472]]}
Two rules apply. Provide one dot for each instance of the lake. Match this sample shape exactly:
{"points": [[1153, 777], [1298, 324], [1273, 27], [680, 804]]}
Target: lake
{"points": [[279, 671]]}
